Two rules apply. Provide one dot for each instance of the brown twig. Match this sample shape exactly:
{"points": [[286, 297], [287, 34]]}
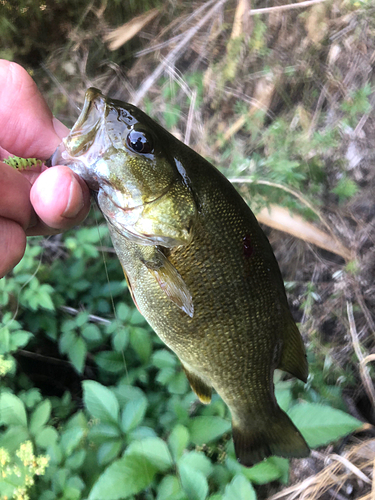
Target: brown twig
{"points": [[278, 8], [363, 370], [91, 317]]}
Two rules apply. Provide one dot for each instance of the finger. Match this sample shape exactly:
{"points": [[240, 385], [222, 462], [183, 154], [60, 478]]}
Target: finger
{"points": [[60, 198], [15, 197], [12, 245], [27, 124]]}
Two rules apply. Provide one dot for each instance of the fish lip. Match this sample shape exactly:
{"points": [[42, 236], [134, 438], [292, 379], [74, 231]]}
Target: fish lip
{"points": [[90, 119]]}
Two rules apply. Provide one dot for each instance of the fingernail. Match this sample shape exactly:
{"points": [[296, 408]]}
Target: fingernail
{"points": [[75, 200]]}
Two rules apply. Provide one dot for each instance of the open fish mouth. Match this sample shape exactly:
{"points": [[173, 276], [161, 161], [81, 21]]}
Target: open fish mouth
{"points": [[85, 130], [87, 140]]}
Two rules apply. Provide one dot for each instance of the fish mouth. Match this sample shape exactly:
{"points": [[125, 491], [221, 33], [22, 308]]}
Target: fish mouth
{"points": [[86, 141], [82, 135]]}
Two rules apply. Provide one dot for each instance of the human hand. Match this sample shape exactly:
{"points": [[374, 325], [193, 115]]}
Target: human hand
{"points": [[38, 201]]}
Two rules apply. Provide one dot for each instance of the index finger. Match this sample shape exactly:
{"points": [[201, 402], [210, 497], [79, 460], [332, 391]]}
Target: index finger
{"points": [[27, 124]]}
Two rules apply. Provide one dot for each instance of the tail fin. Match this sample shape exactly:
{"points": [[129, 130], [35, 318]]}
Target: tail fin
{"points": [[273, 435]]}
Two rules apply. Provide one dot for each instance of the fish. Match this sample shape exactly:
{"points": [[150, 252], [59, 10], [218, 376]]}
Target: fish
{"points": [[198, 266]]}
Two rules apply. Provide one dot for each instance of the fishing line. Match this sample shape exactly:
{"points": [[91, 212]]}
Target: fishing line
{"points": [[109, 283], [144, 464], [24, 285]]}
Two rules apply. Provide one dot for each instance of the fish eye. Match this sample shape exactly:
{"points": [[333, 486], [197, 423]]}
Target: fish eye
{"points": [[140, 142]]}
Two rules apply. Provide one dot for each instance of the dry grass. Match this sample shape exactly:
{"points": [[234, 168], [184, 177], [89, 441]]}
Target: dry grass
{"points": [[342, 477]]}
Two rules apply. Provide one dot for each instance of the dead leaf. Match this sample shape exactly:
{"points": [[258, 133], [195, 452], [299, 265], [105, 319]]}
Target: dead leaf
{"points": [[123, 34], [280, 218]]}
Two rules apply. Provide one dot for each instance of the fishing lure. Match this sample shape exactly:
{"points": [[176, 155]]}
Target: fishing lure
{"points": [[22, 163]]}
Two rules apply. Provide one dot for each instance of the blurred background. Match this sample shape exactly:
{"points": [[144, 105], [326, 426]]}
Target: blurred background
{"points": [[280, 98]]}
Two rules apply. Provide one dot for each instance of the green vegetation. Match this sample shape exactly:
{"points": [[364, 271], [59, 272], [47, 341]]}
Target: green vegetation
{"points": [[137, 427]]}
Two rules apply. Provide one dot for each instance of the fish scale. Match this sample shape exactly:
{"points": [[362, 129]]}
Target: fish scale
{"points": [[198, 266]]}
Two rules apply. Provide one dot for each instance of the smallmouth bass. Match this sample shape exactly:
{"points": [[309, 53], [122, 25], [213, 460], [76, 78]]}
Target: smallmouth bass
{"points": [[198, 266]]}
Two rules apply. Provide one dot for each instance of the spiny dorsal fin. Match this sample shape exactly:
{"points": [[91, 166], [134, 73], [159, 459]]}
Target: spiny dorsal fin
{"points": [[201, 389]]}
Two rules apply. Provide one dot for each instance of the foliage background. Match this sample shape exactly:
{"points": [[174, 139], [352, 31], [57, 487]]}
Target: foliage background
{"points": [[283, 98]]}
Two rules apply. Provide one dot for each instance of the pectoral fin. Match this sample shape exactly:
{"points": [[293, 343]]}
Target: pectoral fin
{"points": [[170, 281], [201, 389]]}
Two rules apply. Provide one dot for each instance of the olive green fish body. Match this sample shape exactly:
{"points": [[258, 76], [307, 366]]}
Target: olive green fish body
{"points": [[203, 274]]}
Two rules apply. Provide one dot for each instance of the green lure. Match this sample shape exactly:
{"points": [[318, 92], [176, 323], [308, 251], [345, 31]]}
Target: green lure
{"points": [[22, 163]]}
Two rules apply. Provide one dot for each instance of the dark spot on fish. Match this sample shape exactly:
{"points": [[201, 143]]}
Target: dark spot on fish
{"points": [[248, 248]]}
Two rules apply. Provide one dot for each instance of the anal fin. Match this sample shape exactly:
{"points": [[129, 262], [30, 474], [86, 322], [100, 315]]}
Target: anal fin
{"points": [[201, 389]]}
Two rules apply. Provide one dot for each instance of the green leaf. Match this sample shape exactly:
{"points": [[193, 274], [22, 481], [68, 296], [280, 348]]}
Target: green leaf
{"points": [[101, 433], [178, 440], [345, 188], [284, 466], [100, 402], [152, 449], [32, 397], [66, 341], [320, 424], [76, 459], [125, 477], [108, 451], [125, 393], [196, 460], [193, 482], [205, 429], [136, 318], [169, 488], [141, 342], [122, 311], [239, 489], [55, 454], [120, 339], [264, 472], [59, 480], [71, 439], [111, 361], [40, 416], [13, 437], [91, 333], [164, 359], [283, 398], [46, 436], [4, 340], [133, 414], [178, 384], [19, 339], [82, 318], [12, 410], [77, 354]]}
